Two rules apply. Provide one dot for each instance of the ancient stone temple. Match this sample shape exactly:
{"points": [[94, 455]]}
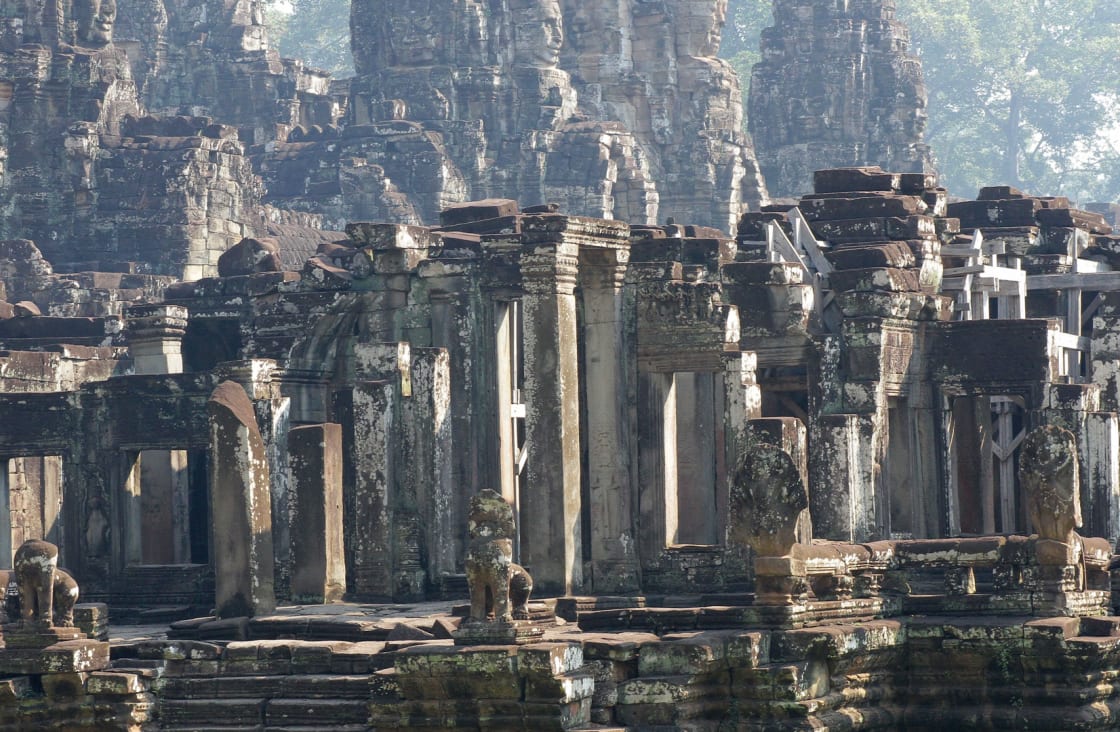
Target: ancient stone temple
{"points": [[836, 86], [500, 464]]}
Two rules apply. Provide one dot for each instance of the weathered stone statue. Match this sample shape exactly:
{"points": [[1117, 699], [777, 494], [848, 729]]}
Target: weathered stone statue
{"points": [[499, 588], [836, 86], [65, 596], [1048, 473], [95, 20], [767, 500], [35, 565]]}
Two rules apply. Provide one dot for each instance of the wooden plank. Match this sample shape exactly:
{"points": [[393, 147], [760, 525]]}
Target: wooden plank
{"points": [[804, 238], [1091, 311], [987, 270], [776, 240], [1090, 265], [1071, 342], [1095, 281]]}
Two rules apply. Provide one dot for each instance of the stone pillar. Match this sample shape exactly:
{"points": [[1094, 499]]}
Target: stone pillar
{"points": [[550, 496], [318, 552], [607, 376], [1104, 352], [697, 440], [657, 464], [836, 478], [241, 506], [427, 416], [155, 338], [6, 548], [258, 378], [1102, 465], [366, 414]]}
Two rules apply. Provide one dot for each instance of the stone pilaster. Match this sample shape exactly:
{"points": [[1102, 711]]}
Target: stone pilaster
{"points": [[550, 494]]}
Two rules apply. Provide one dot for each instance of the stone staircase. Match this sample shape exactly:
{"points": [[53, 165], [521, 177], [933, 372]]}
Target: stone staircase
{"points": [[284, 686]]}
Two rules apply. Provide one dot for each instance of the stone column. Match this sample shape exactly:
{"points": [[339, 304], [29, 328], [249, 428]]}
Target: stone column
{"points": [[5, 516], [427, 417], [318, 552], [657, 464], [366, 414], [241, 506], [155, 338], [550, 497], [607, 375], [697, 464]]}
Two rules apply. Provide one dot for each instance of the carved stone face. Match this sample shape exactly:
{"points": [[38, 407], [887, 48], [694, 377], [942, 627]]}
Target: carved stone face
{"points": [[540, 34], [414, 35], [96, 19]]}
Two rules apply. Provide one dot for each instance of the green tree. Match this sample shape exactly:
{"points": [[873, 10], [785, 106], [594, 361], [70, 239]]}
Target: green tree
{"points": [[745, 21], [316, 31], [1022, 92]]}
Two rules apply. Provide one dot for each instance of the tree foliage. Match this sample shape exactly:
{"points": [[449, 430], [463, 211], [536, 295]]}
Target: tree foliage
{"points": [[316, 31], [745, 21], [1022, 92]]}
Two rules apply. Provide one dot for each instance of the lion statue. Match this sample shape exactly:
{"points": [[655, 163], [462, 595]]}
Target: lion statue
{"points": [[499, 588]]}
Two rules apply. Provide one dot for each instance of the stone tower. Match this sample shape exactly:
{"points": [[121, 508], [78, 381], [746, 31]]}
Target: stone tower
{"points": [[599, 107], [836, 87]]}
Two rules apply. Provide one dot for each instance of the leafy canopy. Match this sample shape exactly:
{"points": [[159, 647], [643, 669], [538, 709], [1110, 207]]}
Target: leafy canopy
{"points": [[316, 31]]}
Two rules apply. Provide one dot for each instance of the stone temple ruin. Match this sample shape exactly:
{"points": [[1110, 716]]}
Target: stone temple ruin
{"points": [[440, 397]]}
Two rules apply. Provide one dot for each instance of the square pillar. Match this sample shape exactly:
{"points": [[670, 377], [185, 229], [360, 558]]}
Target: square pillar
{"points": [[366, 414], [551, 546], [318, 552], [657, 464], [607, 364]]}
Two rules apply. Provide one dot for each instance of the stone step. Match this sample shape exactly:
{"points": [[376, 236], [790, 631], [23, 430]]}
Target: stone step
{"points": [[224, 712], [308, 712], [309, 686]]}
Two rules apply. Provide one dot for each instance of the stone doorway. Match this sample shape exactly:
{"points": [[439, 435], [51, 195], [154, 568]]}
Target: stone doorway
{"points": [[510, 383], [30, 502], [166, 507], [984, 453]]}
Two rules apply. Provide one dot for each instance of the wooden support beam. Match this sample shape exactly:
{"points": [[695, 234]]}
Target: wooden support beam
{"points": [[1095, 281]]}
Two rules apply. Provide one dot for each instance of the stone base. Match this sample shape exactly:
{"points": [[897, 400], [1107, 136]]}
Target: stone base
{"points": [[519, 632], [92, 618], [1086, 603], [37, 636], [71, 656]]}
